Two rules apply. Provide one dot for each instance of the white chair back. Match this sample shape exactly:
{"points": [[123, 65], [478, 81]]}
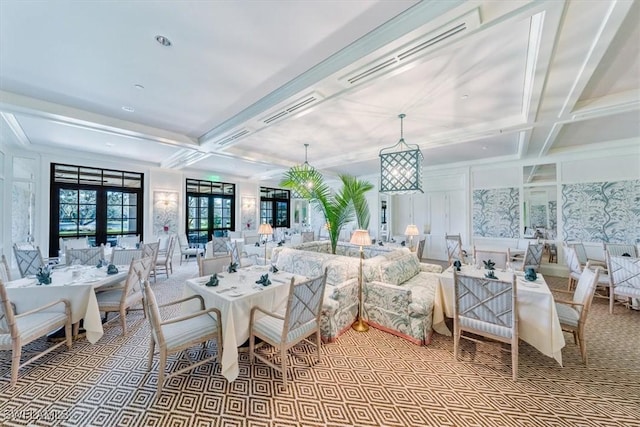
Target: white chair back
{"points": [[87, 256], [28, 260]]}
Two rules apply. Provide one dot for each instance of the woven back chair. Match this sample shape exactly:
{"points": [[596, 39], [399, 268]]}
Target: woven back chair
{"points": [[532, 258], [125, 256], [486, 307], [164, 261], [151, 250], [498, 257], [242, 259], [29, 260], [209, 266], [573, 263], [624, 275], [121, 299], [621, 249], [18, 330], [218, 246], [178, 334], [573, 313], [421, 248], [87, 256], [454, 248], [300, 320]]}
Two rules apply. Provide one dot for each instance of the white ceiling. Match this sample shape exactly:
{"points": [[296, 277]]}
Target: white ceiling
{"points": [[524, 79]]}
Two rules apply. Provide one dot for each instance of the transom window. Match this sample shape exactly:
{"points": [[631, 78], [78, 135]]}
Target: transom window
{"points": [[210, 210]]}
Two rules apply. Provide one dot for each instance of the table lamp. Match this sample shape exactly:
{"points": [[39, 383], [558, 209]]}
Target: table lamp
{"points": [[360, 238], [265, 230], [411, 230]]}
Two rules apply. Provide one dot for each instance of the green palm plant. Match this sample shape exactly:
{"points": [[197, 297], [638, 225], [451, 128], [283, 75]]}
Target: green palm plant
{"points": [[338, 208]]}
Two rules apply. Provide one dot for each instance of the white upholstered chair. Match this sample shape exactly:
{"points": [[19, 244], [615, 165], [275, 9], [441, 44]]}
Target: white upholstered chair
{"points": [[186, 250], [151, 250], [624, 275], [125, 256], [486, 307], [164, 260], [300, 320], [498, 257], [209, 266], [19, 329], [180, 333], [86, 256]]}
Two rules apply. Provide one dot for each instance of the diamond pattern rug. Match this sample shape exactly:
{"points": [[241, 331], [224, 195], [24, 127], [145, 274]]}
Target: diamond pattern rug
{"points": [[364, 379]]}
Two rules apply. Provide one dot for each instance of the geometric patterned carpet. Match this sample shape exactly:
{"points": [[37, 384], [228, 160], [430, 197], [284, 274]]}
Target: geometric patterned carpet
{"points": [[364, 379]]}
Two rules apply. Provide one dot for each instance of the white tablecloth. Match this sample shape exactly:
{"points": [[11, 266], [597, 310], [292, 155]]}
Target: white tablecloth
{"points": [[538, 322], [27, 295], [236, 310]]}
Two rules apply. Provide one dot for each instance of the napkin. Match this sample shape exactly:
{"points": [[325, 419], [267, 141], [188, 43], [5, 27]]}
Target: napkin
{"points": [[274, 269], [44, 275], [490, 275], [233, 267], [257, 245], [380, 243], [457, 264], [489, 265], [112, 269], [213, 281], [530, 275], [264, 280]]}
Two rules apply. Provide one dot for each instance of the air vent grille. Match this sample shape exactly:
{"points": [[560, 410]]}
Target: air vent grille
{"points": [[228, 139], [414, 49], [296, 107]]}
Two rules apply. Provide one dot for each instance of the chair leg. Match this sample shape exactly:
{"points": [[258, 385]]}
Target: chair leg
{"points": [[318, 343], [152, 348], [76, 330], [161, 368], [15, 361], [514, 359], [123, 321], [583, 347], [68, 334], [252, 342], [283, 362], [611, 301], [456, 343]]}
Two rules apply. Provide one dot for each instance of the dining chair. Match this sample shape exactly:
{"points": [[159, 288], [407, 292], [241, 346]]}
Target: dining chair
{"points": [[624, 274], [20, 329], [498, 257], [5, 271], [573, 313], [28, 260], [73, 243], [532, 258], [218, 246], [283, 330], [87, 256], [209, 266], [583, 258], [486, 307], [420, 249], [164, 260], [241, 259], [308, 236], [186, 250], [575, 272], [125, 256], [454, 248], [128, 241], [180, 333], [150, 250], [121, 299], [617, 249]]}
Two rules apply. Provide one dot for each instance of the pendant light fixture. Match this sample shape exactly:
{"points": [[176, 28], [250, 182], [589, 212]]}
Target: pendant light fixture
{"points": [[401, 167]]}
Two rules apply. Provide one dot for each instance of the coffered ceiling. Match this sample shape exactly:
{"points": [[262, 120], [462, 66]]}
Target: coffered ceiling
{"points": [[244, 85]]}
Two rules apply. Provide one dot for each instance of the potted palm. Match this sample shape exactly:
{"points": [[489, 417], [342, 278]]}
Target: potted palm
{"points": [[339, 208]]}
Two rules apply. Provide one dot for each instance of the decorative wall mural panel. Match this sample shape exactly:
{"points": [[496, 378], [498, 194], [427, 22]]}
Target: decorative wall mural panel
{"points": [[248, 213], [496, 213], [538, 216], [165, 212], [553, 215], [602, 212]]}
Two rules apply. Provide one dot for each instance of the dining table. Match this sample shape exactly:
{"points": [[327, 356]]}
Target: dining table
{"points": [[235, 295], [538, 322], [75, 283]]}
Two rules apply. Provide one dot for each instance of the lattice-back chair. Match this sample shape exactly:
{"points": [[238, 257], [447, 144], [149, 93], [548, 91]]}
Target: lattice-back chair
{"points": [[19, 329], [87, 256], [242, 259], [217, 246], [308, 236], [583, 258], [532, 258], [180, 333], [121, 299], [151, 250], [498, 257], [125, 256], [616, 249], [300, 320], [486, 307], [624, 275], [573, 313], [209, 266], [454, 248], [573, 263], [421, 249], [5, 270], [73, 243], [164, 261], [28, 260]]}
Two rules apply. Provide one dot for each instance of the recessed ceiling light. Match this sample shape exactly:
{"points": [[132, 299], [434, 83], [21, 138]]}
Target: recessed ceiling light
{"points": [[128, 109], [464, 97], [163, 40], [138, 86], [484, 147], [108, 144]]}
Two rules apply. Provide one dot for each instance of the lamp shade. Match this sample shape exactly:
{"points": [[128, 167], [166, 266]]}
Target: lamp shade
{"points": [[411, 230], [265, 229], [361, 238]]}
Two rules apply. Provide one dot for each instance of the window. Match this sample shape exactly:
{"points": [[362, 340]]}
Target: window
{"points": [[210, 210], [100, 204], [274, 206]]}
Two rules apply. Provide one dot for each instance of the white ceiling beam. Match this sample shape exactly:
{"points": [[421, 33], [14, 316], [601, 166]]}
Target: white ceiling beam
{"points": [[16, 129]]}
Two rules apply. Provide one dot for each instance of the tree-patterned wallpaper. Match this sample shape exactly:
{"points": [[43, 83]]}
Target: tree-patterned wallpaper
{"points": [[602, 212], [496, 213]]}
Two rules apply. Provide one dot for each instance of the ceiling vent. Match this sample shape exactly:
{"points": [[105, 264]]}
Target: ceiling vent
{"points": [[415, 49], [234, 136], [294, 108]]}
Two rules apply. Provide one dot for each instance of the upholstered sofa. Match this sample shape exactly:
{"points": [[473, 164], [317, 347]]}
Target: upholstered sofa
{"points": [[398, 290], [399, 295]]}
